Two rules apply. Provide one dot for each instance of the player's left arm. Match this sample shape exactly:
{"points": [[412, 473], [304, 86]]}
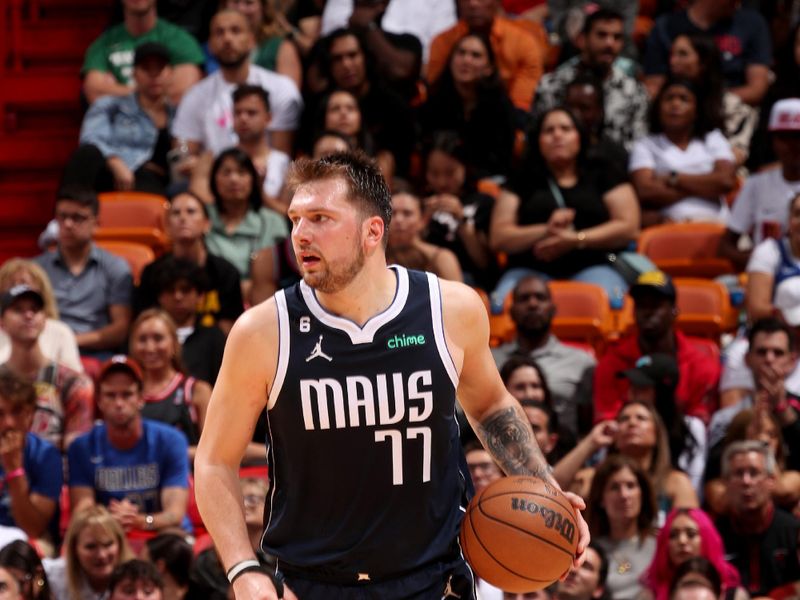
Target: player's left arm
{"points": [[495, 415]]}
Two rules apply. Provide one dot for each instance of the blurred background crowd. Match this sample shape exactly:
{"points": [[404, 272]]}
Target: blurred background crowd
{"points": [[619, 181]]}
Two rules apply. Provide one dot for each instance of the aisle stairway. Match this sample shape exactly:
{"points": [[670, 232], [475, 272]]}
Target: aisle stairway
{"points": [[42, 43]]}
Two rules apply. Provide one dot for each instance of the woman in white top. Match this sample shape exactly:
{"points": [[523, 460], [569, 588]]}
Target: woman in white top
{"points": [[94, 546], [773, 283], [685, 167], [57, 340]]}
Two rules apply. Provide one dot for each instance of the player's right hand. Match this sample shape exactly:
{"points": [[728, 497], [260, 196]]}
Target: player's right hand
{"points": [[257, 586]]}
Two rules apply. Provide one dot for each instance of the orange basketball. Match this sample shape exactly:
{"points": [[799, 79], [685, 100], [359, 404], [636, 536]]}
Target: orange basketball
{"points": [[519, 534]]}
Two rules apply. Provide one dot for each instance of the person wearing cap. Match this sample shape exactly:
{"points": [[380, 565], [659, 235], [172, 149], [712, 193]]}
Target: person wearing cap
{"points": [[64, 398], [93, 287], [655, 312], [124, 139], [30, 467], [136, 467], [760, 207], [107, 67], [653, 380]]}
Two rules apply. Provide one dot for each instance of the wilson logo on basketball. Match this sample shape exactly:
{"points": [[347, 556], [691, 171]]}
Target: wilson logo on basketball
{"points": [[552, 520]]}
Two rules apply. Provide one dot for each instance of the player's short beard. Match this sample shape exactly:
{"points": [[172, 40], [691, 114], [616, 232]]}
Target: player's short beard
{"points": [[337, 276]]}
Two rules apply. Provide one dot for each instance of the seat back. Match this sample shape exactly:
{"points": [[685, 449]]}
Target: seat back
{"points": [[685, 249], [704, 308], [136, 255], [583, 313], [132, 209]]}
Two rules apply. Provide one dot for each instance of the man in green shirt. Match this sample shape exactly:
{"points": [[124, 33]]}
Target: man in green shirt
{"points": [[108, 65]]}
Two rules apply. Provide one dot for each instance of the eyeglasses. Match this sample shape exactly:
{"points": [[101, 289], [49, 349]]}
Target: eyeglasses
{"points": [[77, 218]]}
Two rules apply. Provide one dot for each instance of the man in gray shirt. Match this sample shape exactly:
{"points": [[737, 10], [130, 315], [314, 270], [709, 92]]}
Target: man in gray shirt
{"points": [[92, 287], [568, 370]]}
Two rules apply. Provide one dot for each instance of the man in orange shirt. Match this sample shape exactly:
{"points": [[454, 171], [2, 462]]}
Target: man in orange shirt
{"points": [[517, 52]]}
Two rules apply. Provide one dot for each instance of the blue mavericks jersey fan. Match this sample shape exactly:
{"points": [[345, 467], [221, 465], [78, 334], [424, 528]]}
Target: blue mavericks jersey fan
{"points": [[364, 451]]}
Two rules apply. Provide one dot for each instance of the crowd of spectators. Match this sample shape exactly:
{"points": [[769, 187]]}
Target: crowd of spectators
{"points": [[524, 141]]}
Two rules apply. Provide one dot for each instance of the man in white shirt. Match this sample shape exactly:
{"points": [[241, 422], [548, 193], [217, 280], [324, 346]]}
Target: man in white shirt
{"points": [[204, 120], [761, 206], [422, 18]]}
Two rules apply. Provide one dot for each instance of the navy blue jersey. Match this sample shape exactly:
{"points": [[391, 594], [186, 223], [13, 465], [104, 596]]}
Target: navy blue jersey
{"points": [[364, 449]]}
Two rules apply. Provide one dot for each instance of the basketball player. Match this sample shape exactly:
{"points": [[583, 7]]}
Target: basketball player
{"points": [[358, 366]]}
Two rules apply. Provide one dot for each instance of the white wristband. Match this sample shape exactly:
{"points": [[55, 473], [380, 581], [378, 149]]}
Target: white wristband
{"points": [[241, 566]]}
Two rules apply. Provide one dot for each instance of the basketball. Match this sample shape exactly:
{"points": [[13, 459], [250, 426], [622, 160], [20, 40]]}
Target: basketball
{"points": [[519, 534]]}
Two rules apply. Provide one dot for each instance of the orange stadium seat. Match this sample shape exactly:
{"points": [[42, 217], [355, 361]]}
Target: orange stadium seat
{"points": [[685, 249], [137, 255], [132, 209], [583, 313], [704, 308], [134, 217]]}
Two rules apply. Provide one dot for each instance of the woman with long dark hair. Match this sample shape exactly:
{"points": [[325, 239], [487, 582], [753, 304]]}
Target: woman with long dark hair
{"points": [[470, 98], [621, 508], [240, 224], [684, 168], [696, 57], [566, 213]]}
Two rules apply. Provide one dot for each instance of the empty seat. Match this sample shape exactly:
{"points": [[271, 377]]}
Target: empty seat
{"points": [[583, 313], [136, 255], [685, 249], [704, 308]]}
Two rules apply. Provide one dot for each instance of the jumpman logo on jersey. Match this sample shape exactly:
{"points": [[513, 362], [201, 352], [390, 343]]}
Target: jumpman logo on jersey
{"points": [[448, 590], [318, 353]]}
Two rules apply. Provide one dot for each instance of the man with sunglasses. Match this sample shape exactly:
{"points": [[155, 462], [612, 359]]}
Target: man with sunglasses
{"points": [[93, 288]]}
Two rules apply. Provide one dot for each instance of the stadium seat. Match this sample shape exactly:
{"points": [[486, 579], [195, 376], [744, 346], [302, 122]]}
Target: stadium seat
{"points": [[133, 217], [132, 209], [583, 313], [685, 249], [704, 308], [137, 255], [151, 237]]}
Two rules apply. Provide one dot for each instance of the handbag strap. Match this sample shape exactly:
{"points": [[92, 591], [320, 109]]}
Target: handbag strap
{"points": [[556, 192]]}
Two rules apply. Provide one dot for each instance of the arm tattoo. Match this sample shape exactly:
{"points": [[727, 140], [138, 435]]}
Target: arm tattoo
{"points": [[509, 440]]}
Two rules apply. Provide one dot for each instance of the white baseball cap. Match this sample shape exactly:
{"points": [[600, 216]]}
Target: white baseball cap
{"points": [[785, 115], [787, 300]]}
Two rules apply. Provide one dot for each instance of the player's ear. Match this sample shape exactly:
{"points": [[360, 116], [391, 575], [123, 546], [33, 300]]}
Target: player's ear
{"points": [[375, 231]]}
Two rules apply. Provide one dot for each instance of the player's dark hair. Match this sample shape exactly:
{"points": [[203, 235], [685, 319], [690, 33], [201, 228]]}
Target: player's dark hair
{"points": [[248, 89], [367, 188]]}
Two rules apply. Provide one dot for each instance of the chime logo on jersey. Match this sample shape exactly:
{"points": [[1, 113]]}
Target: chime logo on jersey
{"points": [[404, 341], [361, 400]]}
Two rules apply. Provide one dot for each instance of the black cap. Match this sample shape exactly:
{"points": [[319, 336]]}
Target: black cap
{"points": [[653, 370], [151, 49], [17, 292], [654, 281]]}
